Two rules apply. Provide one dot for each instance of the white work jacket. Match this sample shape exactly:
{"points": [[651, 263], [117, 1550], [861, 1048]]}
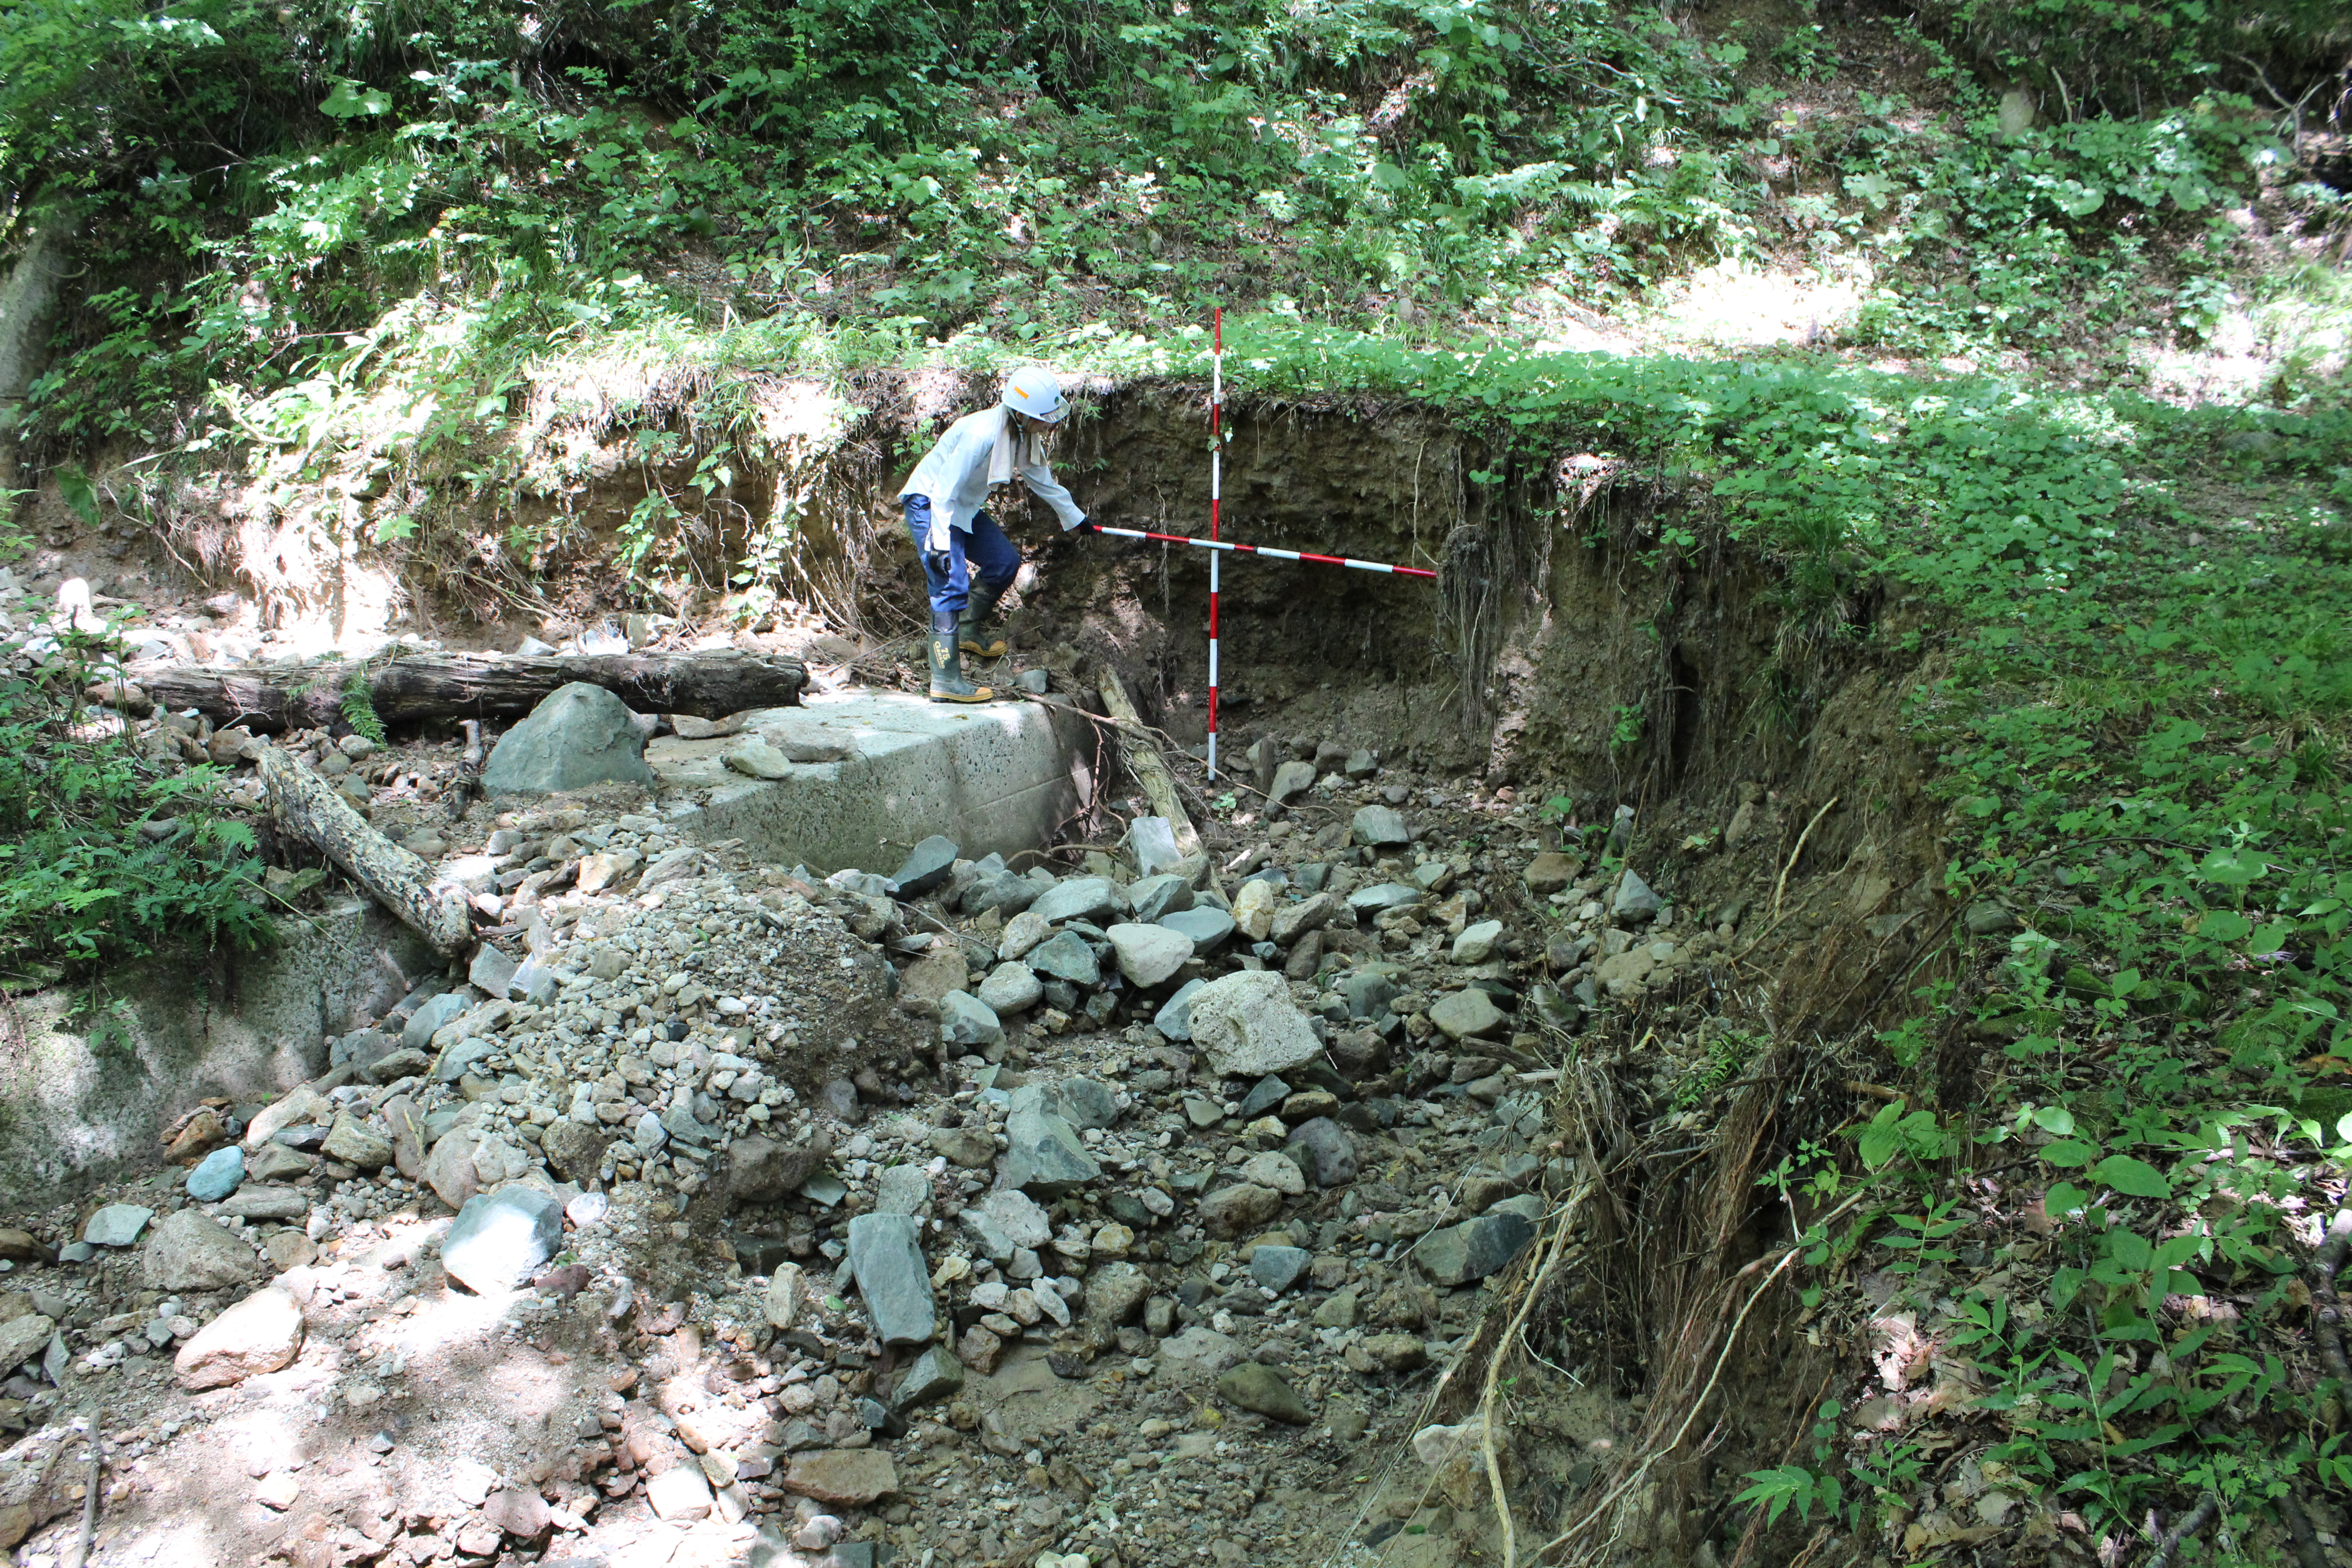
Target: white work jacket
{"points": [[955, 473]]}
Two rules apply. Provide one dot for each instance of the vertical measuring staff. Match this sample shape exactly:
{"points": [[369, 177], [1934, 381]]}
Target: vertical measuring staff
{"points": [[1216, 462]]}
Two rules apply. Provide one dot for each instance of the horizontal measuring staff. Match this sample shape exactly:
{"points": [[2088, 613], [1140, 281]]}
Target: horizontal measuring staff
{"points": [[1267, 550]]}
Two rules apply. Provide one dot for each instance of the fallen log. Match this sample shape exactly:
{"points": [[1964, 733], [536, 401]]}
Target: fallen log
{"points": [[267, 700], [394, 878], [1144, 761]]}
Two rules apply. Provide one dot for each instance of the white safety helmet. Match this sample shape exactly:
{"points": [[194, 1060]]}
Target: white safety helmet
{"points": [[1036, 392]]}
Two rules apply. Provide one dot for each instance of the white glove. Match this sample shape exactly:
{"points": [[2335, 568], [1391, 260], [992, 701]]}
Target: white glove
{"points": [[936, 542]]}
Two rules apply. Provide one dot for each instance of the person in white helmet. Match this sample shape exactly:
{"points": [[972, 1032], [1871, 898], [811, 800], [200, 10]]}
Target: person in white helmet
{"points": [[967, 562]]}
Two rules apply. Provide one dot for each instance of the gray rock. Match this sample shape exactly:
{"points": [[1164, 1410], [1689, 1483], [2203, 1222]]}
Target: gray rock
{"points": [[1268, 1092], [1115, 1293], [462, 1056], [1368, 992], [22, 1338], [753, 757], [1007, 893], [1090, 898], [681, 1124], [1278, 1267], [1152, 845], [1383, 896], [1155, 897], [1291, 779], [1634, 900], [903, 1189], [355, 1144], [1330, 1152], [1238, 1209], [1466, 1015], [261, 1334], [499, 1239], [1065, 955], [362, 1048], [1380, 828], [1361, 765], [1478, 943], [1258, 1388], [251, 1202], [968, 1023], [1292, 921], [765, 1171], [427, 1021], [1174, 1018], [121, 1224], [1208, 929], [928, 866], [1010, 989], [1148, 954], [1043, 1154], [1474, 1248], [1554, 1008], [574, 1150], [186, 1251], [577, 736], [1248, 1026], [1083, 1102], [535, 981], [491, 971], [936, 1375], [216, 1175], [1022, 1218], [886, 1258], [1986, 917]]}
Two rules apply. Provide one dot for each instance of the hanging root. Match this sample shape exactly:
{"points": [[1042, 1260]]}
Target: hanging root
{"points": [[1531, 1290]]}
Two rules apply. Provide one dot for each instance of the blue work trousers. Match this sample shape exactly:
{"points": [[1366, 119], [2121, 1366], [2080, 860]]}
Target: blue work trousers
{"points": [[983, 554]]}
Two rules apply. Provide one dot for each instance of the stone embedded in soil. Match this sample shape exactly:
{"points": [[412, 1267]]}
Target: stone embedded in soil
{"points": [[1148, 954], [1083, 1102], [1550, 872], [936, 1374], [499, 1239], [849, 1477], [1065, 955], [1043, 1154], [21, 1339], [574, 1150], [261, 1334], [1011, 989], [491, 971], [518, 1511], [781, 1303], [1633, 900], [1459, 1253], [416, 1034], [1022, 1220], [903, 1189], [579, 735], [1368, 990], [188, 1251], [886, 1256], [966, 1023], [1478, 943], [679, 1493], [1206, 928], [926, 866], [121, 1224], [1291, 779], [1247, 1025], [1466, 1014], [1278, 1170], [1244, 1206], [1330, 1152], [356, 1145], [1383, 896], [1278, 1267], [1258, 1388], [761, 1169], [1378, 828]]}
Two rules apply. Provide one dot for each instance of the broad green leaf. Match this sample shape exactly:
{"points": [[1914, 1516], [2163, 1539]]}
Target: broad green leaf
{"points": [[350, 101], [2133, 1178], [2055, 1119], [2064, 1201], [2071, 1154], [80, 494]]}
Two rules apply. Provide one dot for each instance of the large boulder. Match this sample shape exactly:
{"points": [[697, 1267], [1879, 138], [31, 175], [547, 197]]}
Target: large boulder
{"points": [[188, 1251], [886, 1256], [577, 736], [261, 1334], [1248, 1026]]}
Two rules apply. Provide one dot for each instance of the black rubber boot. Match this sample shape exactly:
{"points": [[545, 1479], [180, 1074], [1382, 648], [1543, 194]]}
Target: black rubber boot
{"points": [[971, 633], [947, 684]]}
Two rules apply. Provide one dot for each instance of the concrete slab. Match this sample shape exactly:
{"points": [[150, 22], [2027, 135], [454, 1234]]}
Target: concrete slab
{"points": [[996, 777]]}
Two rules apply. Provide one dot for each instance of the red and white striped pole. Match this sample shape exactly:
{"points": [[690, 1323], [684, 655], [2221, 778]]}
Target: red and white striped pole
{"points": [[1216, 470], [1226, 546]]}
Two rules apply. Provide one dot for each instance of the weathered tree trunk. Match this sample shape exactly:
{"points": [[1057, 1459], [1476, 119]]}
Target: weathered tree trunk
{"points": [[455, 686], [395, 878], [1144, 761]]}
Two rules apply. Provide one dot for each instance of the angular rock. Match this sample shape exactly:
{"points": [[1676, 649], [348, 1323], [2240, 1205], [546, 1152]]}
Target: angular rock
{"points": [[886, 1256], [926, 866], [518, 1511], [1291, 779], [1368, 992], [450, 1168], [753, 757], [1090, 898], [1207, 928], [574, 1150], [1148, 954], [1633, 900], [1083, 1102], [1006, 893], [1156, 897], [1383, 896], [1022, 933], [1019, 1217], [782, 1303], [1292, 921], [1478, 943], [22, 1338], [187, 1251], [121, 1224], [416, 1034], [1011, 989], [933, 975], [577, 736], [679, 1493], [936, 1375], [605, 868], [217, 1176], [261, 1334], [351, 1141], [1115, 1293], [300, 1104], [1065, 955], [1174, 1018], [1045, 1155], [1230, 1211], [490, 973], [1474, 1248], [1152, 845], [1278, 1267], [968, 1023], [1466, 1014], [499, 1239], [1248, 1026], [1258, 1388], [1378, 828], [1330, 1152], [764, 1171], [848, 1478], [1550, 872], [1254, 908], [1278, 1170]]}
